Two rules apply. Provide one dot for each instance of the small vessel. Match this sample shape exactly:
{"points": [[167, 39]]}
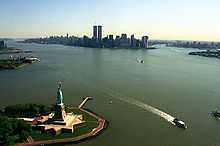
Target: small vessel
{"points": [[216, 114], [140, 60], [179, 123], [31, 59], [110, 102]]}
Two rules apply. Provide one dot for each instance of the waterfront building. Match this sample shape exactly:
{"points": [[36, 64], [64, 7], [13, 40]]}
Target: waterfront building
{"points": [[117, 37], [94, 32], [111, 37], [111, 41], [117, 41], [144, 42], [99, 33], [124, 41], [105, 41], [2, 44], [133, 41], [123, 36], [86, 41], [138, 43]]}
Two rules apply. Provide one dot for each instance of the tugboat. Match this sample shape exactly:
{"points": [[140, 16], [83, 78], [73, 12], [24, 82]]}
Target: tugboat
{"points": [[179, 123], [216, 114]]}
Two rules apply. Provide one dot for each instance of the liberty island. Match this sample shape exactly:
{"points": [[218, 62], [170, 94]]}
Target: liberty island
{"points": [[63, 125]]}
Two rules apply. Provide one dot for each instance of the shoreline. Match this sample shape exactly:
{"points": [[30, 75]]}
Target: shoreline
{"points": [[16, 63], [12, 50], [112, 48], [210, 54]]}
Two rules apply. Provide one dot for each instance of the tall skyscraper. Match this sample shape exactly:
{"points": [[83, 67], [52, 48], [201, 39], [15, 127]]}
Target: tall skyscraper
{"points": [[111, 40], [99, 33], [94, 32], [133, 41], [144, 41], [124, 41]]}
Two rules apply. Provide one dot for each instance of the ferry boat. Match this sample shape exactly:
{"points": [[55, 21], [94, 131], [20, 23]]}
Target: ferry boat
{"points": [[31, 59], [179, 123], [216, 114]]}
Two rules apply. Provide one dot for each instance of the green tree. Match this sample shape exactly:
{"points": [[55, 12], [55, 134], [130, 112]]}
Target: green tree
{"points": [[13, 131]]}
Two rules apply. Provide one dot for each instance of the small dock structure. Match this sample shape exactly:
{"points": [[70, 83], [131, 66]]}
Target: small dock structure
{"points": [[84, 102]]}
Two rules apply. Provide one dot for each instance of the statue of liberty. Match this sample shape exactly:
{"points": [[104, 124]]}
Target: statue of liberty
{"points": [[59, 99], [59, 113]]}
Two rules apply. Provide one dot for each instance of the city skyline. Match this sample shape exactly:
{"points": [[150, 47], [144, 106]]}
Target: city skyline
{"points": [[170, 20]]}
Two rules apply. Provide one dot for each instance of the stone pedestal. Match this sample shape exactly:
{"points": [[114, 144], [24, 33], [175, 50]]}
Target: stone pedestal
{"points": [[59, 113]]}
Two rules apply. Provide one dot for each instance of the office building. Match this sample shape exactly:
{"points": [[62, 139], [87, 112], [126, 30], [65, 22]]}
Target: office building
{"points": [[124, 41], [144, 42], [94, 32], [133, 41], [99, 33], [117, 41], [111, 40]]}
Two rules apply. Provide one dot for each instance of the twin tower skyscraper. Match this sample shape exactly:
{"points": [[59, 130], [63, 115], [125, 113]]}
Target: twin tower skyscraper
{"points": [[97, 33]]}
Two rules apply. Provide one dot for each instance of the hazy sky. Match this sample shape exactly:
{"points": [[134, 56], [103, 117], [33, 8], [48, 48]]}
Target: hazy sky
{"points": [[160, 19]]}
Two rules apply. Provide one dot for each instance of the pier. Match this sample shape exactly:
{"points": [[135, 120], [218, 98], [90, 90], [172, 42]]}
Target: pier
{"points": [[84, 102]]}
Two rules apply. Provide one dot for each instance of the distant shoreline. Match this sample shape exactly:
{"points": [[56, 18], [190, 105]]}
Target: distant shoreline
{"points": [[12, 50], [207, 53], [112, 48]]}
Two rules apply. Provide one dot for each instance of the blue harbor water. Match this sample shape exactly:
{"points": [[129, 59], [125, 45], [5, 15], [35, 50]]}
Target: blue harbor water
{"points": [[126, 93]]}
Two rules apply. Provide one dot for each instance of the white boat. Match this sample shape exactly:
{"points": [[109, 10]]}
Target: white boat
{"points": [[31, 59], [140, 60], [179, 123]]}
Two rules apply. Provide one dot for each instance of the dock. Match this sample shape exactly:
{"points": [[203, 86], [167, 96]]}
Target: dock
{"points": [[84, 102]]}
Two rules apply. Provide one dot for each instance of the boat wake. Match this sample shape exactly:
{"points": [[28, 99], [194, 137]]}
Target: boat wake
{"points": [[113, 94], [140, 104]]}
